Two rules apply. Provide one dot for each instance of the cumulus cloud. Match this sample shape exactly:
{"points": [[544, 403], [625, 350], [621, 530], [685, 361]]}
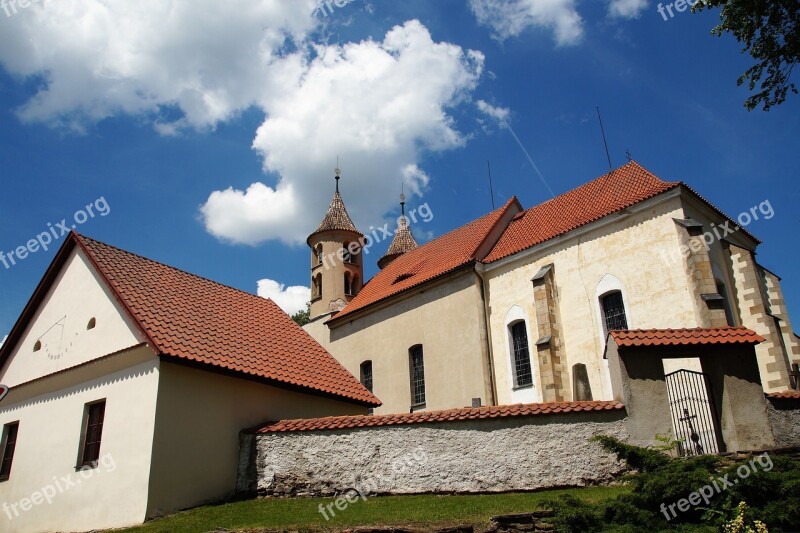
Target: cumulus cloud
{"points": [[185, 63], [380, 105], [290, 299], [626, 8], [509, 18]]}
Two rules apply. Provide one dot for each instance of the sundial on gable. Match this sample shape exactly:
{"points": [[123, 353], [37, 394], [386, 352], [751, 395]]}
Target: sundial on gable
{"points": [[54, 342]]}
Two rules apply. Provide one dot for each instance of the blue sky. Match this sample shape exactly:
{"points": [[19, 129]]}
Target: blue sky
{"points": [[211, 129]]}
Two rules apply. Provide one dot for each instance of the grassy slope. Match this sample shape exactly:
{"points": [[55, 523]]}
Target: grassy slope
{"points": [[303, 513]]}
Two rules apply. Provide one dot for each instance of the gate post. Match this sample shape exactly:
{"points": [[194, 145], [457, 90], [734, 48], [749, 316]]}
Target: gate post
{"points": [[638, 381], [738, 397]]}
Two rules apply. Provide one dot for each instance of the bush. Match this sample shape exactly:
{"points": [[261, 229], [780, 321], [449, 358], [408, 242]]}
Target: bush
{"points": [[772, 493]]}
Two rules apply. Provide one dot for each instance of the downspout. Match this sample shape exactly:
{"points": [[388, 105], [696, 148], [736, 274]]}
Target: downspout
{"points": [[479, 268]]}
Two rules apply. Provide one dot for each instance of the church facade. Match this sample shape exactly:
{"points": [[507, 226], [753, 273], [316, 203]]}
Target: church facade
{"points": [[516, 306]]}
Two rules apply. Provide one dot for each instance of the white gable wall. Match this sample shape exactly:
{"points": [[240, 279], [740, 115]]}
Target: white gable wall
{"points": [[45, 492], [76, 296]]}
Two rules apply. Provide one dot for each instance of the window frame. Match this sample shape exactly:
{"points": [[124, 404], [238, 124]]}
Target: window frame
{"points": [[604, 316], [418, 387], [363, 374], [84, 460], [6, 458], [519, 324]]}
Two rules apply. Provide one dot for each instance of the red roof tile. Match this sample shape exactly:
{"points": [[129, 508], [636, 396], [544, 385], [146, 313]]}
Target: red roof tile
{"points": [[423, 417], [190, 318], [685, 337], [433, 259], [621, 188], [785, 395]]}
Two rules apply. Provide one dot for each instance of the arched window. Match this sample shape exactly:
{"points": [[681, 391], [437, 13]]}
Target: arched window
{"points": [[613, 309], [417, 366], [317, 289], [523, 377], [318, 253], [366, 375], [348, 285], [347, 257], [354, 284]]}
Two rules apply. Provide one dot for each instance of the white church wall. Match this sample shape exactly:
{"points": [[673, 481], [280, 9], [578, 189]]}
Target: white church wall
{"points": [[628, 249], [60, 324], [484, 455], [445, 318], [44, 491]]}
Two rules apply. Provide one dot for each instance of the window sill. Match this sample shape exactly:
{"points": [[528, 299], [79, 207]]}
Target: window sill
{"points": [[316, 299], [522, 387], [417, 407], [87, 466]]}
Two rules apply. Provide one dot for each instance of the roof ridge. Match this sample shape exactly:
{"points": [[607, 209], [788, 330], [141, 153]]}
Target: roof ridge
{"points": [[160, 263]]}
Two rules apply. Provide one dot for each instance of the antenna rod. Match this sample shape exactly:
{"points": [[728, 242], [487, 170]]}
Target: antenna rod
{"points": [[491, 190], [603, 131]]}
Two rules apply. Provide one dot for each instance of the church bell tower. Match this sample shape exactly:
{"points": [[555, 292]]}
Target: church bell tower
{"points": [[337, 265]]}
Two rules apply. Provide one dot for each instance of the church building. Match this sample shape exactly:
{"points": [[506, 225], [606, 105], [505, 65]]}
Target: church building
{"points": [[516, 306]]}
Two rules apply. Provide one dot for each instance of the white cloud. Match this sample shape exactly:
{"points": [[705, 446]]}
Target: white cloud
{"points": [[626, 8], [509, 18], [498, 113], [3, 341], [290, 299], [380, 105], [206, 60], [191, 64]]}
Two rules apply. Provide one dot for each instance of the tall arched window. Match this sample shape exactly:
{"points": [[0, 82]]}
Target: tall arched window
{"points": [[521, 366], [318, 253], [317, 292], [347, 257], [366, 375], [613, 309], [417, 366], [348, 284]]}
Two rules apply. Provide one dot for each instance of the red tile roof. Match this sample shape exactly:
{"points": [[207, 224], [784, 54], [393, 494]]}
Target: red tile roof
{"points": [[686, 337], [621, 188], [438, 257], [189, 318], [785, 395], [450, 415]]}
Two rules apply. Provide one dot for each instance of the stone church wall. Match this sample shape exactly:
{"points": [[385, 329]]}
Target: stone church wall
{"points": [[468, 456]]}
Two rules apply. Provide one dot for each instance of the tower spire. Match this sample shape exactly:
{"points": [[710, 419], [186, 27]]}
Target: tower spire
{"points": [[403, 238], [338, 173]]}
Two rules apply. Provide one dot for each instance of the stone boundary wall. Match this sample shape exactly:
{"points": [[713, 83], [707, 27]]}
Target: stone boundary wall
{"points": [[466, 456], [784, 416]]}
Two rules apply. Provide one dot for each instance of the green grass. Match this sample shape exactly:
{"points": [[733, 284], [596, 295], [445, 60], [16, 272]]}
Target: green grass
{"points": [[418, 510]]}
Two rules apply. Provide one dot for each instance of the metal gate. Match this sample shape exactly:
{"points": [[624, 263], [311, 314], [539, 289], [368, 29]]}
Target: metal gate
{"points": [[692, 412]]}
